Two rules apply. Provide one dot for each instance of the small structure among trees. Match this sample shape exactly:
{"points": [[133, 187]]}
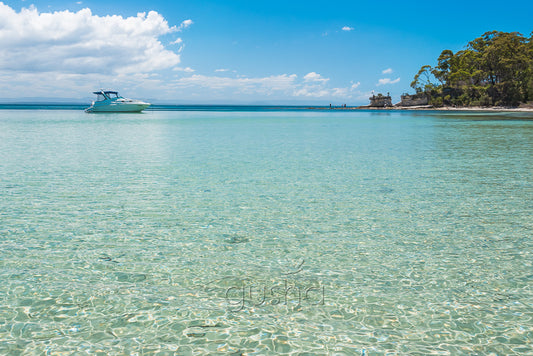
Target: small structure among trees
{"points": [[494, 69], [418, 99], [380, 101]]}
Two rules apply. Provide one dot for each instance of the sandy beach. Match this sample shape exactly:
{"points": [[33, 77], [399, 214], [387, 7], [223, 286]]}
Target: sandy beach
{"points": [[528, 108]]}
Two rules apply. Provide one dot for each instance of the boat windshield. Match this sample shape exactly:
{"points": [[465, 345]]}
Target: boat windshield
{"points": [[106, 95]]}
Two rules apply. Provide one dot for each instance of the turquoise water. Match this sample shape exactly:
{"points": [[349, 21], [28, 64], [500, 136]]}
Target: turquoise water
{"points": [[307, 232]]}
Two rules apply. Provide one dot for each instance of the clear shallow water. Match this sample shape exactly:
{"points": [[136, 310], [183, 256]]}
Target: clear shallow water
{"points": [[265, 233]]}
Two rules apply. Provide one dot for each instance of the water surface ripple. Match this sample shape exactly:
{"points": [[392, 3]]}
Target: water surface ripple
{"points": [[265, 233]]}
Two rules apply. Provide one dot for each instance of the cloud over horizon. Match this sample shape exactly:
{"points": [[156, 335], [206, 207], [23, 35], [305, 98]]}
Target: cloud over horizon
{"points": [[69, 54], [81, 42], [385, 81], [310, 86], [314, 77]]}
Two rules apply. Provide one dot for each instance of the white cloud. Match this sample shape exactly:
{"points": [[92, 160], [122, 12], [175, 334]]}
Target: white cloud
{"points": [[80, 42], [385, 81], [181, 86], [347, 28], [314, 77], [266, 84], [69, 54], [363, 96], [387, 71], [186, 69], [185, 24], [322, 92], [340, 92], [355, 85], [276, 86], [314, 86], [70, 85], [311, 92]]}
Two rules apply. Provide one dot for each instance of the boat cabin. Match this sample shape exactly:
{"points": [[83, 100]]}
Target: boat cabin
{"points": [[106, 95]]}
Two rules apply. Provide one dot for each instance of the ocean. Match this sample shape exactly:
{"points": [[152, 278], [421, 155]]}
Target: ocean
{"points": [[257, 231]]}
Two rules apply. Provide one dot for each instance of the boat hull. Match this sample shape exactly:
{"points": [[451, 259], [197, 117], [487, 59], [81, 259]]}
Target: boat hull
{"points": [[118, 107], [110, 101]]}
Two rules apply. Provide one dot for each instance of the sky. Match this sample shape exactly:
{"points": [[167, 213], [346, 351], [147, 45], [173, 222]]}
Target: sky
{"points": [[233, 51]]}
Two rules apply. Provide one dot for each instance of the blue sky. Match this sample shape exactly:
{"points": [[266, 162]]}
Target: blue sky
{"points": [[248, 52]]}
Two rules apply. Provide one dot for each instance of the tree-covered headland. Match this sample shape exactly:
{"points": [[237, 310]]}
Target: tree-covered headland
{"points": [[495, 69]]}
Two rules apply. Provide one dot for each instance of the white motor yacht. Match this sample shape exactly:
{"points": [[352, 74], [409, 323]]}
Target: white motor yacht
{"points": [[111, 101]]}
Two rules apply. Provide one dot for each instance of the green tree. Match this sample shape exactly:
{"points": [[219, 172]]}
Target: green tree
{"points": [[494, 69], [505, 62], [442, 70], [422, 80]]}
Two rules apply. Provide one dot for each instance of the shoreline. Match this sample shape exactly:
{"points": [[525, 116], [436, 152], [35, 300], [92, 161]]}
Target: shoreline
{"points": [[432, 108], [78, 106]]}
